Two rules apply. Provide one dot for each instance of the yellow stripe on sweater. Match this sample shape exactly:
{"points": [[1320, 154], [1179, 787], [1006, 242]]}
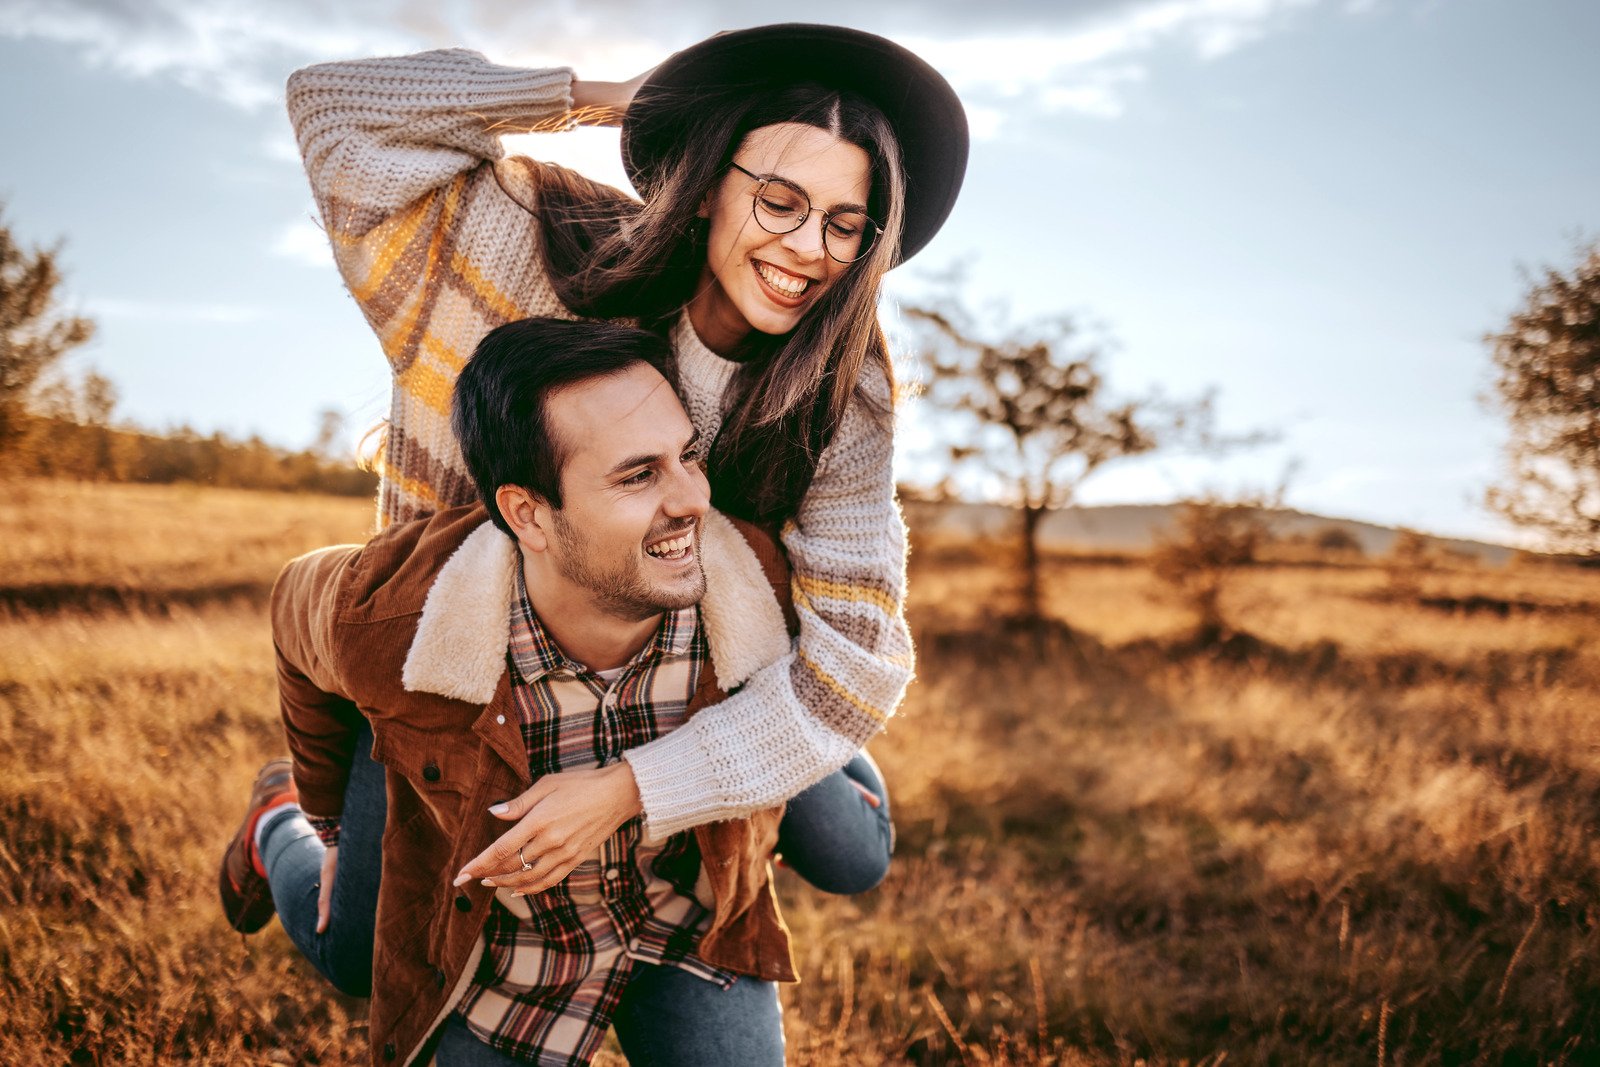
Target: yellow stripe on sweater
{"points": [[385, 246], [427, 383], [860, 594], [433, 380], [803, 603], [417, 490], [850, 698], [497, 301], [444, 353]]}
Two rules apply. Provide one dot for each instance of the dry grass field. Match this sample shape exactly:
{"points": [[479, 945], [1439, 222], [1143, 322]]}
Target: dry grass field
{"points": [[1362, 830]]}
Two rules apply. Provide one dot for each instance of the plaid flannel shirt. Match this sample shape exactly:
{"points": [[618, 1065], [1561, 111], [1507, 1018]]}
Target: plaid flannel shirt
{"points": [[555, 965]]}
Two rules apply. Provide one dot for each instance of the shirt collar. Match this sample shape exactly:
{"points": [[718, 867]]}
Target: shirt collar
{"points": [[535, 654]]}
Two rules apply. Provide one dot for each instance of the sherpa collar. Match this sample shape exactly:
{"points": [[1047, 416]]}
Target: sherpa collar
{"points": [[460, 647]]}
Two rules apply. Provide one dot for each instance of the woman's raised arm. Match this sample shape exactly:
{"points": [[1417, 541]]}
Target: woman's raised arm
{"points": [[378, 134]]}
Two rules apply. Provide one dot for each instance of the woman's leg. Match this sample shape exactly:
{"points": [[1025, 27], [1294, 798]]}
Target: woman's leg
{"points": [[292, 855], [670, 1018], [833, 837]]}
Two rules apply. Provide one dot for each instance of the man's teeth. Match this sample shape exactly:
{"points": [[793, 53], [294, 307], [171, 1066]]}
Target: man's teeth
{"points": [[672, 547], [787, 284]]}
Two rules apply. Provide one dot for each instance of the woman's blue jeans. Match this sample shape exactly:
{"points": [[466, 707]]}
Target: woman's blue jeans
{"points": [[830, 836]]}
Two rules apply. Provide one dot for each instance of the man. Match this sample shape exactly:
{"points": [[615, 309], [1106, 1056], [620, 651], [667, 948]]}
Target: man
{"points": [[598, 513]]}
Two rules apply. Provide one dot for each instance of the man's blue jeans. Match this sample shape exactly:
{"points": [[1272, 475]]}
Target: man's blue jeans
{"points": [[667, 1018]]}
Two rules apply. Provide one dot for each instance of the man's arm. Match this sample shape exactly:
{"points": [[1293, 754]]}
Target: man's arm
{"points": [[319, 722]]}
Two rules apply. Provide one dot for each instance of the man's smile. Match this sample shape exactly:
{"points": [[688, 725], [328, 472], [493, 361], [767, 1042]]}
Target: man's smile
{"points": [[673, 549]]}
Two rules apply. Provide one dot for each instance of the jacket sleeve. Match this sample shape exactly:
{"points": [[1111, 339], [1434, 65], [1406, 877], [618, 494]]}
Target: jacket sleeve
{"points": [[805, 716], [319, 719], [380, 135]]}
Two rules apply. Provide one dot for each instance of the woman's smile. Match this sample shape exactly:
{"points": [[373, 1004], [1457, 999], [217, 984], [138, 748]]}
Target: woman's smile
{"points": [[786, 287], [755, 280]]}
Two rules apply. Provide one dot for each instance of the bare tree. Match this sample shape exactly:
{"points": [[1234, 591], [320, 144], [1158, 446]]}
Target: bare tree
{"points": [[1411, 554], [1547, 364], [1210, 542], [1043, 421], [34, 333]]}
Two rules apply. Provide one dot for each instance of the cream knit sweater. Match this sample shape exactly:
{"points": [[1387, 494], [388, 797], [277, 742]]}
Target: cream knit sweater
{"points": [[427, 220]]}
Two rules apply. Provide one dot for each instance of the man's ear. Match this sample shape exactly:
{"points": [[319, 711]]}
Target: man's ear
{"points": [[528, 515]]}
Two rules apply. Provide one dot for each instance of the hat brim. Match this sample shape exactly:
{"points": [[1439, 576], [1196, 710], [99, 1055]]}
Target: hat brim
{"points": [[923, 109]]}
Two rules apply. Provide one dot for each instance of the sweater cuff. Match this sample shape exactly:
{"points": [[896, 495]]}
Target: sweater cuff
{"points": [[677, 782]]}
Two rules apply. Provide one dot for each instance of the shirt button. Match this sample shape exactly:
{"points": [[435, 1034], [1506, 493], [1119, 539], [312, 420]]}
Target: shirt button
{"points": [[612, 874], [501, 719]]}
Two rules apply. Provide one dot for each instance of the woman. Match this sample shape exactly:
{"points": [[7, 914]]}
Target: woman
{"points": [[773, 205]]}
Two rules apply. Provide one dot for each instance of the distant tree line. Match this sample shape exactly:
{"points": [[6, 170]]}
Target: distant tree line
{"points": [[54, 426], [55, 447]]}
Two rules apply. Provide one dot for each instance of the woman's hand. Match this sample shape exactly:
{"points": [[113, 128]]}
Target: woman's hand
{"points": [[560, 822], [604, 103]]}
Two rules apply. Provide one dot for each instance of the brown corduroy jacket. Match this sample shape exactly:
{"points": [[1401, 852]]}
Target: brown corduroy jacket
{"points": [[411, 631]]}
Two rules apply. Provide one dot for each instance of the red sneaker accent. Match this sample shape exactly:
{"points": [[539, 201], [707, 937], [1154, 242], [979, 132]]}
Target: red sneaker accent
{"points": [[242, 881]]}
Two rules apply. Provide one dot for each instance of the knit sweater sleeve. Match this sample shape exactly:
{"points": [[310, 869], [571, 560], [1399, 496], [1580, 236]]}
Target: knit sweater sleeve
{"points": [[805, 716], [432, 230], [378, 134]]}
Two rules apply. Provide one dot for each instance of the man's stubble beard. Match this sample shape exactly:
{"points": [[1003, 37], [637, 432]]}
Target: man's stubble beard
{"points": [[623, 591]]}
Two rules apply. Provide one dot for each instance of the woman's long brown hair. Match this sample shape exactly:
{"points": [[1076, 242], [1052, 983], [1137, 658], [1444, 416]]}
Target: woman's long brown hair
{"points": [[610, 256]]}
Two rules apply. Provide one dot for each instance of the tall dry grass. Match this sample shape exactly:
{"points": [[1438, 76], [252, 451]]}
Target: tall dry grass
{"points": [[1360, 832]]}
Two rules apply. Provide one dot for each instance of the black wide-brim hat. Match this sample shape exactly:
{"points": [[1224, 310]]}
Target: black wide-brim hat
{"points": [[925, 112]]}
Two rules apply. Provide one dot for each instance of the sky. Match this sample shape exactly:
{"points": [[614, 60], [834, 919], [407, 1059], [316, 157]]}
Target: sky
{"points": [[1316, 208]]}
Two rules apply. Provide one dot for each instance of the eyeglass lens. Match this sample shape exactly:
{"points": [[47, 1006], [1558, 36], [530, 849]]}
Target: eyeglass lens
{"points": [[782, 208]]}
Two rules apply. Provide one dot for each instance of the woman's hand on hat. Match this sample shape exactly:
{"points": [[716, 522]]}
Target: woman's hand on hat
{"points": [[597, 103]]}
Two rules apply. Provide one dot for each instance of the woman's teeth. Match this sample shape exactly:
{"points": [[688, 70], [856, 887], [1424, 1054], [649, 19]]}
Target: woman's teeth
{"points": [[672, 549], [785, 283]]}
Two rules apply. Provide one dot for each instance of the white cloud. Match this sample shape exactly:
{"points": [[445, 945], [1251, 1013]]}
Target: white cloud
{"points": [[1079, 57], [171, 311], [304, 242], [1087, 68], [229, 49]]}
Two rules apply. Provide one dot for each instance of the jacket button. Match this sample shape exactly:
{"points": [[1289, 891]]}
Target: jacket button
{"points": [[389, 1051], [438, 977], [463, 902], [431, 772]]}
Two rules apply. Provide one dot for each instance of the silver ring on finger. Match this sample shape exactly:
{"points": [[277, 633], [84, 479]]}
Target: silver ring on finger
{"points": [[525, 864]]}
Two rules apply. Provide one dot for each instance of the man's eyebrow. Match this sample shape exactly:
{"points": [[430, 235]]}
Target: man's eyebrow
{"points": [[649, 459]]}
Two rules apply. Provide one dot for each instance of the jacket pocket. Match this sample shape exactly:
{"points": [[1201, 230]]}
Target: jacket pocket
{"points": [[437, 765]]}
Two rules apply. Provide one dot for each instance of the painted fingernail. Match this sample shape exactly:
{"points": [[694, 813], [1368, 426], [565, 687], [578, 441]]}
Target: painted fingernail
{"points": [[487, 882], [462, 879], [499, 809]]}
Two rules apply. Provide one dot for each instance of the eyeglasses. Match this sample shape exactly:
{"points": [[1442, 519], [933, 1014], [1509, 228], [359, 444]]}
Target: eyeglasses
{"points": [[780, 206]]}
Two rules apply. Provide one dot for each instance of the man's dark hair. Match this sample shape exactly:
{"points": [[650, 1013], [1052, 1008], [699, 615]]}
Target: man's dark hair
{"points": [[499, 413]]}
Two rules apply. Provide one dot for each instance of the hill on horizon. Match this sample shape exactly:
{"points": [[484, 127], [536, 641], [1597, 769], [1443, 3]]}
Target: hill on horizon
{"points": [[1135, 527]]}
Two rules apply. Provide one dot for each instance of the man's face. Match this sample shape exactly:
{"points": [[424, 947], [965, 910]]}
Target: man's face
{"points": [[633, 494]]}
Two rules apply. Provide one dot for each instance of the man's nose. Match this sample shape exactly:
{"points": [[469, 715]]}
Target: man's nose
{"points": [[691, 493]]}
